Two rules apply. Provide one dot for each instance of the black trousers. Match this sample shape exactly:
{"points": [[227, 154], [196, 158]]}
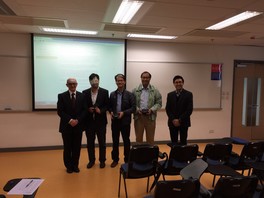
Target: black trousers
{"points": [[92, 132], [118, 128], [174, 133], [72, 147]]}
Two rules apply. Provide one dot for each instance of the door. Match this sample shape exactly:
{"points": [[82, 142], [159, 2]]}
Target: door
{"points": [[248, 101]]}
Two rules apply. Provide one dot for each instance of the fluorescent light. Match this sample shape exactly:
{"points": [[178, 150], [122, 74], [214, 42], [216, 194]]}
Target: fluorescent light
{"points": [[126, 11], [68, 31], [151, 36], [233, 20]]}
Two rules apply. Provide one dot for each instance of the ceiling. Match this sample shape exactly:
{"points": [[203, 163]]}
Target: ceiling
{"points": [[186, 19]]}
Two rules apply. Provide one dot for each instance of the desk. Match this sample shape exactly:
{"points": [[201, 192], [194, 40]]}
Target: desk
{"points": [[11, 183], [221, 170]]}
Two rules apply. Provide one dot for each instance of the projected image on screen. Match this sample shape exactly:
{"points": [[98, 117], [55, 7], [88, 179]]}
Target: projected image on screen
{"points": [[58, 58]]}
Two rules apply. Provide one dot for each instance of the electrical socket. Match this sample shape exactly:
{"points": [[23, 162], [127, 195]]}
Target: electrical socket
{"points": [[211, 131]]}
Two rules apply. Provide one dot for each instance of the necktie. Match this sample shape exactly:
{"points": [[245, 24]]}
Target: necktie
{"points": [[73, 100]]}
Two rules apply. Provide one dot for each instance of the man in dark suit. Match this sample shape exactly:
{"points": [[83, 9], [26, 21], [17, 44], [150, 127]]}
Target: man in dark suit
{"points": [[97, 101], [122, 105], [179, 108], [71, 110]]}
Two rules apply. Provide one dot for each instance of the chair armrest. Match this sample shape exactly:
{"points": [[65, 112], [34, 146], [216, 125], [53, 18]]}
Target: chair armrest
{"points": [[200, 154], [163, 155], [234, 154], [204, 192]]}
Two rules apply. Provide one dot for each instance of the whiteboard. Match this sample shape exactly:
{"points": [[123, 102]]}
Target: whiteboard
{"points": [[16, 83], [197, 79]]}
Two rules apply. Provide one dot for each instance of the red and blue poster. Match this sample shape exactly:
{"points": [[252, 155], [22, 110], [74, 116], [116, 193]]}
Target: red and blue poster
{"points": [[216, 72]]}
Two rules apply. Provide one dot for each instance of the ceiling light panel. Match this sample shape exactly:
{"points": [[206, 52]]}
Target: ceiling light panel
{"points": [[233, 20], [69, 31], [126, 11], [151, 36]]}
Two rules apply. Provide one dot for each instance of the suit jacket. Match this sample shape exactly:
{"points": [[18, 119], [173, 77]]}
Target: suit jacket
{"points": [[102, 102], [66, 113], [128, 105], [179, 108]]}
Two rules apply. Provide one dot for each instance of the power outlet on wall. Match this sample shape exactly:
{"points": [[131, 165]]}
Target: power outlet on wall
{"points": [[211, 131]]}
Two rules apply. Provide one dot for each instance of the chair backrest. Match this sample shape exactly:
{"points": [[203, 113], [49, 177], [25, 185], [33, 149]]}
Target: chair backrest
{"points": [[261, 153], [183, 153], [235, 187], [251, 152], [177, 188], [217, 153], [194, 170], [143, 160]]}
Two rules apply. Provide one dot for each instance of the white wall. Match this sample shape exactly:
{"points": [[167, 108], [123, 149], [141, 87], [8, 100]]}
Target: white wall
{"points": [[27, 129]]}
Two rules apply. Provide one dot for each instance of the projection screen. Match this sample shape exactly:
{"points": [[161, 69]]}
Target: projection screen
{"points": [[57, 58]]}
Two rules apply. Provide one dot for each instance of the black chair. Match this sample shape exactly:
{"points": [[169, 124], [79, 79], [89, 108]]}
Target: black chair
{"points": [[233, 140], [180, 156], [258, 169], [217, 153], [217, 156], [235, 187], [142, 163], [250, 153], [187, 188]]}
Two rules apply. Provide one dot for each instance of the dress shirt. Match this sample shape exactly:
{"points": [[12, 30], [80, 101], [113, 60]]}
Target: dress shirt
{"points": [[144, 98]]}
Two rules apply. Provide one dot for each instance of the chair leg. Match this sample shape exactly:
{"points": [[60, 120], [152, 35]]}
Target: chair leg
{"points": [[125, 186], [249, 171], [156, 178], [119, 184], [213, 181], [147, 184]]}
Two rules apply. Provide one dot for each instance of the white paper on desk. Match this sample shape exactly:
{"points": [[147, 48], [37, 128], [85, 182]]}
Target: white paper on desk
{"points": [[25, 187]]}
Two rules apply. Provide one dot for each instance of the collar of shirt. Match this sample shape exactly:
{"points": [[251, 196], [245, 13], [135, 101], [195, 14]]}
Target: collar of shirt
{"points": [[143, 88], [178, 91], [72, 93], [119, 92]]}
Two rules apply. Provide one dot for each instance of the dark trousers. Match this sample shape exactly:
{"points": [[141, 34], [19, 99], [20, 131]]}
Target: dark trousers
{"points": [[117, 127], [72, 147], [91, 133], [174, 132]]}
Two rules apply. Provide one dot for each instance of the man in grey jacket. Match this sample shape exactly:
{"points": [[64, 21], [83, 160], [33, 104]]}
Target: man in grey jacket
{"points": [[149, 101]]}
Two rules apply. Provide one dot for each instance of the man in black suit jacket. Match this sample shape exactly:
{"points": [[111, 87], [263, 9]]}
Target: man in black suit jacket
{"points": [[122, 105], [97, 101], [71, 110], [179, 108]]}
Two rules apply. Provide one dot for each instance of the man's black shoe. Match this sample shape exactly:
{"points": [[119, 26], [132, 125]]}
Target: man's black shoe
{"points": [[102, 165], [76, 170], [114, 164], [90, 165], [69, 170]]}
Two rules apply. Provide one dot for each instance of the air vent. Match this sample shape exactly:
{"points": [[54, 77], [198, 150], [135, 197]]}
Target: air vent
{"points": [[5, 10], [44, 22], [214, 33], [131, 28], [50, 22]]}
